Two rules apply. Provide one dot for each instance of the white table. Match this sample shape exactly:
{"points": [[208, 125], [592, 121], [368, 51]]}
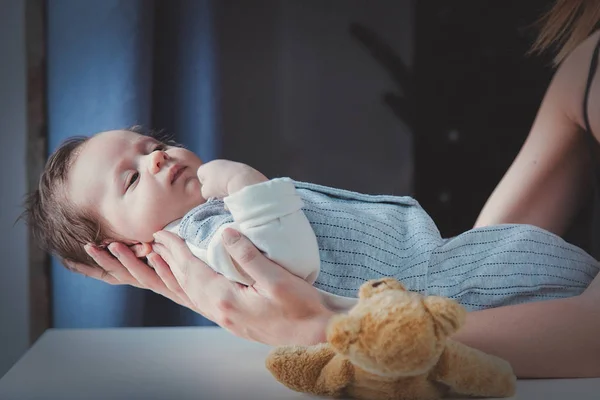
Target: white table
{"points": [[178, 363]]}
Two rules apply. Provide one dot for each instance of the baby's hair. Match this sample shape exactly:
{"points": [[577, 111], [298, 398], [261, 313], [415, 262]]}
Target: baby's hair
{"points": [[57, 225], [566, 25]]}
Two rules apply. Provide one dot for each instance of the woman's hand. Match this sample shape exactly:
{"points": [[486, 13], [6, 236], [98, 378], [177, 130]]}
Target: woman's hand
{"points": [[124, 268], [279, 308]]}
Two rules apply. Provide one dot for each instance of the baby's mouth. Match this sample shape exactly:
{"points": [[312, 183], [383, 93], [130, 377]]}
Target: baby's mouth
{"points": [[176, 172]]}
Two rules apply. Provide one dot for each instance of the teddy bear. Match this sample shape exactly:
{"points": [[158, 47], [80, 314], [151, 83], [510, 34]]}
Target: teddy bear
{"points": [[393, 344]]}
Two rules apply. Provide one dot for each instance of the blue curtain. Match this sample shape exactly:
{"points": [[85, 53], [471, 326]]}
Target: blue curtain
{"points": [[116, 63]]}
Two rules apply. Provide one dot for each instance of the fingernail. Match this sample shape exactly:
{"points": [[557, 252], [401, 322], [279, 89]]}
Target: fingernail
{"points": [[112, 250], [155, 235], [91, 250], [230, 236]]}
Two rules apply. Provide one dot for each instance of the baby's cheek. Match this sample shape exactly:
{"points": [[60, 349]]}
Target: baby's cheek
{"points": [[140, 231], [146, 220], [157, 218]]}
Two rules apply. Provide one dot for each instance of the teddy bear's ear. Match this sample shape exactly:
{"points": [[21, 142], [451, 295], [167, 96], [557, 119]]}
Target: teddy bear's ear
{"points": [[342, 332], [449, 316], [373, 287]]}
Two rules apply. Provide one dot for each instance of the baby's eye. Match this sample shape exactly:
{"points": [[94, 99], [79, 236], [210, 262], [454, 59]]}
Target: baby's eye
{"points": [[134, 178], [160, 147]]}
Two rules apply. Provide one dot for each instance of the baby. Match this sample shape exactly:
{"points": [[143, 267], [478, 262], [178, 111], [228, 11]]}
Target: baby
{"points": [[124, 186]]}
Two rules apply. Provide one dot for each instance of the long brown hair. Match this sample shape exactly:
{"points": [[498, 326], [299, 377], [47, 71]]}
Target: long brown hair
{"points": [[566, 25]]}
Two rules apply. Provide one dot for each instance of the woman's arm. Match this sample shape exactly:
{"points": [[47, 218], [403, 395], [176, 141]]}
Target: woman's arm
{"points": [[559, 338], [551, 176], [545, 186], [546, 339]]}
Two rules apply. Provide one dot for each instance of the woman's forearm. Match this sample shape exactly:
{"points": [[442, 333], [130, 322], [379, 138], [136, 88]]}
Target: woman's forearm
{"points": [[546, 339]]}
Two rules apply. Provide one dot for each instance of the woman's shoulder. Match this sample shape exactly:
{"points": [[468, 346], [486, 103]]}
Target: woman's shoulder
{"points": [[583, 51], [575, 75]]}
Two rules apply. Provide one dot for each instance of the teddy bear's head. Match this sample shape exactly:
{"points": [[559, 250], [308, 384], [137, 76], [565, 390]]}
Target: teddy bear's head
{"points": [[393, 332]]}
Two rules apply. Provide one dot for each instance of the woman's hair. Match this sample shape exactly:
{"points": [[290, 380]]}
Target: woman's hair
{"points": [[565, 26]]}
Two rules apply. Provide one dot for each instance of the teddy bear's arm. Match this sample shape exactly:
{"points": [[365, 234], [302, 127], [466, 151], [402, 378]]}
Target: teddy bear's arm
{"points": [[468, 371], [310, 369]]}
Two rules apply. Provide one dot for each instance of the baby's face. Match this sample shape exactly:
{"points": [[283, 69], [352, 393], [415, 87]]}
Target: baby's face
{"points": [[135, 183]]}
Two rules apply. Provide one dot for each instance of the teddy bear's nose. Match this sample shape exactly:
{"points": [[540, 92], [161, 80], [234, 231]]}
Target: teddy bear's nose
{"points": [[377, 284]]}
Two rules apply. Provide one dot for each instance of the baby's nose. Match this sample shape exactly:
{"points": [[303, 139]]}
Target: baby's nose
{"points": [[157, 161]]}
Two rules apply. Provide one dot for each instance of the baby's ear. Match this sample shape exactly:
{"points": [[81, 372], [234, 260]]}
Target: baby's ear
{"points": [[141, 249]]}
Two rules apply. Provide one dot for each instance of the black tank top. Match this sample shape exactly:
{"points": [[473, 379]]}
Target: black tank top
{"points": [[588, 86]]}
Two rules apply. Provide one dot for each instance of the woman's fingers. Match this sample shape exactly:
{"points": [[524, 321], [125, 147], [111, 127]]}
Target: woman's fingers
{"points": [[124, 267], [165, 274], [210, 292], [92, 272], [162, 270], [173, 242], [262, 270], [135, 272], [165, 254], [181, 261], [110, 265], [143, 275]]}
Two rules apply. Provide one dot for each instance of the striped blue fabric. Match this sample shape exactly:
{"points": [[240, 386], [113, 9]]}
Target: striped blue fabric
{"points": [[363, 237]]}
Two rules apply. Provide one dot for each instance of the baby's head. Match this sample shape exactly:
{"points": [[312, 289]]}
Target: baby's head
{"points": [[114, 186]]}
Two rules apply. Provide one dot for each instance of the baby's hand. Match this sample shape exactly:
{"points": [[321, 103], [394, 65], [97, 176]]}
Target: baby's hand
{"points": [[220, 178]]}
